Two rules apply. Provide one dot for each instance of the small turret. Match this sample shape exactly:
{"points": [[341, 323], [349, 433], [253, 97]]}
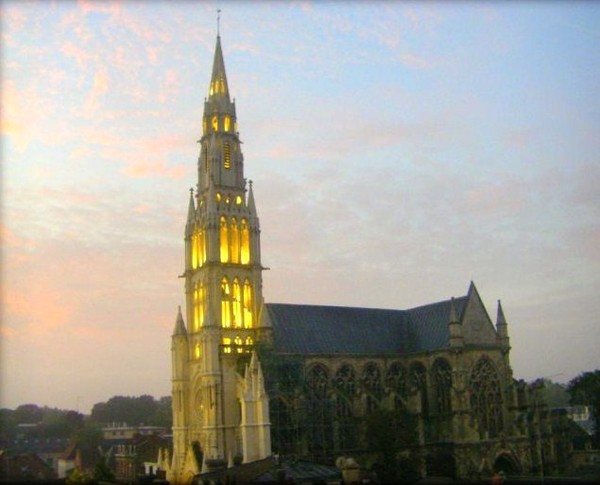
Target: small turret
{"points": [[455, 328], [502, 328]]}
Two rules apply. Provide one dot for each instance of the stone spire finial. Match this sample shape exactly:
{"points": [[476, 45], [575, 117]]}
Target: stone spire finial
{"points": [[179, 324]]}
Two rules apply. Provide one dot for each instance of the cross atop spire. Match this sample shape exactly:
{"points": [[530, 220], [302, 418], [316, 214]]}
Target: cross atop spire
{"points": [[218, 22]]}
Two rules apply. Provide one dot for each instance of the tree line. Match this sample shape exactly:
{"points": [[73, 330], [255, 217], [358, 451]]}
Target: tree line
{"points": [[61, 423]]}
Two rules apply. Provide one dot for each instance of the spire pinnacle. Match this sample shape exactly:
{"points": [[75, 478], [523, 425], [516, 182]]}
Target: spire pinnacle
{"points": [[218, 81], [251, 203], [179, 325], [500, 319], [191, 208], [218, 22]]}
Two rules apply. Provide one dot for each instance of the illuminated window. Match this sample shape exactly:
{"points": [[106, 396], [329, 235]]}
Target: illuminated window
{"points": [[225, 303], [226, 345], [195, 306], [221, 85], [249, 340], [227, 156], [211, 90], [215, 123], [194, 250], [238, 200], [218, 196], [237, 304], [238, 342], [202, 250], [245, 246], [235, 241], [201, 302], [248, 323], [226, 123], [197, 352], [224, 240]]}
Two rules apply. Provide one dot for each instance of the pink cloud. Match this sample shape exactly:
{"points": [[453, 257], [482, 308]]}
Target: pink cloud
{"points": [[157, 168], [81, 56]]}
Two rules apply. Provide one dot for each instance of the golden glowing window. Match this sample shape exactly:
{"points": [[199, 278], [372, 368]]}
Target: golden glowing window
{"points": [[215, 123], [248, 320], [204, 126], [249, 340], [197, 352], [234, 255], [227, 156], [194, 248], [225, 303], [227, 200], [211, 90], [238, 200], [224, 240], [237, 304], [227, 123], [245, 243], [218, 196]]}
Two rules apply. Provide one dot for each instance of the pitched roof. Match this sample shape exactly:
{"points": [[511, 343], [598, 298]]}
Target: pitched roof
{"points": [[318, 330]]}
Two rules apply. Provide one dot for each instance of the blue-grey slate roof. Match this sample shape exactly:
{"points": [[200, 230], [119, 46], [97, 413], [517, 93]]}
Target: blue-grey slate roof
{"points": [[321, 330]]}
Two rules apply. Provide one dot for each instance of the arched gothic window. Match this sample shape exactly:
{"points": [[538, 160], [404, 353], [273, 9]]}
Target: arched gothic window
{"points": [[235, 241], [247, 305], [317, 380], [395, 380], [237, 304], [224, 239], [417, 380], [245, 246], [345, 385], [199, 296], [371, 380], [486, 398], [319, 413], [441, 377]]}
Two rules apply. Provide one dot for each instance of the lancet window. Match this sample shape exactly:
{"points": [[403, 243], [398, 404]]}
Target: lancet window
{"points": [[486, 398], [319, 412], [247, 305], [198, 249], [235, 240], [417, 378], [237, 304], [225, 303], [197, 351], [199, 303], [396, 381], [371, 380], [345, 385], [441, 385], [224, 239]]}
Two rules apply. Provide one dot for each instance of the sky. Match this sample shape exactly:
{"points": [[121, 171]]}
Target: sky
{"points": [[398, 152]]}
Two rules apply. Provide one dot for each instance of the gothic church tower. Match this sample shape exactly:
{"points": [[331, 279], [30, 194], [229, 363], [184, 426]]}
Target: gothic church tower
{"points": [[220, 408]]}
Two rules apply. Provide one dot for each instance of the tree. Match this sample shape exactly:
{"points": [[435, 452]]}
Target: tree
{"points": [[134, 411], [585, 390], [555, 394]]}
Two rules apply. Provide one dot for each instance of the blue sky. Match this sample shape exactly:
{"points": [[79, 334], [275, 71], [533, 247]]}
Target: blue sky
{"points": [[398, 150]]}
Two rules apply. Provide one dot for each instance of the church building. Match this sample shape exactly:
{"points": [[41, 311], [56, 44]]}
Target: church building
{"points": [[252, 379]]}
